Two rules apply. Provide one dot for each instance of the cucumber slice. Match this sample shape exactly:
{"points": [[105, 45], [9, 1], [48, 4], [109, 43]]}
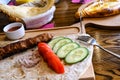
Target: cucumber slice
{"points": [[53, 41], [65, 49], [77, 55], [60, 43]]}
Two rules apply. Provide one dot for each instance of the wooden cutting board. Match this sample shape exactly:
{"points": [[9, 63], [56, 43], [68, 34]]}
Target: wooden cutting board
{"points": [[111, 22], [67, 30], [89, 74]]}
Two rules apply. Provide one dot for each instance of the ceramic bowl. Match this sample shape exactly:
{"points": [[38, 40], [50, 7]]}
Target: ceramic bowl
{"points": [[14, 30]]}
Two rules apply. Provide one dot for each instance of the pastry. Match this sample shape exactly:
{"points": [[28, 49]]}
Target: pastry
{"points": [[99, 9]]}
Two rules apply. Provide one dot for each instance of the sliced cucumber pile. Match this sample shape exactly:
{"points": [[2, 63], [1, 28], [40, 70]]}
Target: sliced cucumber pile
{"points": [[65, 49], [76, 55], [60, 43], [68, 50], [54, 41]]}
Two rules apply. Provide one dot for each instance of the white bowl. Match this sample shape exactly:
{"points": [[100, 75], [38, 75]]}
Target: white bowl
{"points": [[40, 20], [14, 30]]}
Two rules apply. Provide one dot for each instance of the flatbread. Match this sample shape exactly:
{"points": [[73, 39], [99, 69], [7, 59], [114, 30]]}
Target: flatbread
{"points": [[99, 9], [16, 13], [11, 69]]}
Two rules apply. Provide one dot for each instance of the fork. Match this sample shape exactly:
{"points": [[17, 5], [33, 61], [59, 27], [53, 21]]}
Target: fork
{"points": [[86, 38]]}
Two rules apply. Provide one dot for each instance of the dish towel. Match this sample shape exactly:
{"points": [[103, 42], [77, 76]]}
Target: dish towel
{"points": [[80, 1]]}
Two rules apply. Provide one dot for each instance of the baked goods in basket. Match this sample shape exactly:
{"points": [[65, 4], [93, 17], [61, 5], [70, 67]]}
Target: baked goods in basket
{"points": [[17, 13], [99, 9]]}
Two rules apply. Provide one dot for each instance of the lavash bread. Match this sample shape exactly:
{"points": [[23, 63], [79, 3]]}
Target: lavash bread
{"points": [[12, 69], [17, 13], [99, 9]]}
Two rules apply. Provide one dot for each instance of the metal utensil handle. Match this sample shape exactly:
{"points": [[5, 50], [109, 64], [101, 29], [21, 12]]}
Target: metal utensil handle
{"points": [[82, 27], [118, 56]]}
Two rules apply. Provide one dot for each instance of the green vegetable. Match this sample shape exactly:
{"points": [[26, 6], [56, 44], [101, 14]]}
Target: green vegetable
{"points": [[65, 49], [60, 43], [76, 55], [54, 41]]}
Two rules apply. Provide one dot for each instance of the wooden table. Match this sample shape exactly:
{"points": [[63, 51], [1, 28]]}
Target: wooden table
{"points": [[106, 66]]}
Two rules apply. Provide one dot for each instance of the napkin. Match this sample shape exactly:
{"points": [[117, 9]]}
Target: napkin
{"points": [[4, 1], [12, 2], [49, 25], [80, 1]]}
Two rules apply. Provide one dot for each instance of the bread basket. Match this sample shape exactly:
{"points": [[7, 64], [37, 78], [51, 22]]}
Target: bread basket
{"points": [[40, 20]]}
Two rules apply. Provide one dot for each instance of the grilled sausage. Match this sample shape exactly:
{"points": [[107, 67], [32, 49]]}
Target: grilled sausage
{"points": [[23, 45]]}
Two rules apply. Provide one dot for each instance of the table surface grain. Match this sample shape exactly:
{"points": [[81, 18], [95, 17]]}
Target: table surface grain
{"points": [[106, 66]]}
